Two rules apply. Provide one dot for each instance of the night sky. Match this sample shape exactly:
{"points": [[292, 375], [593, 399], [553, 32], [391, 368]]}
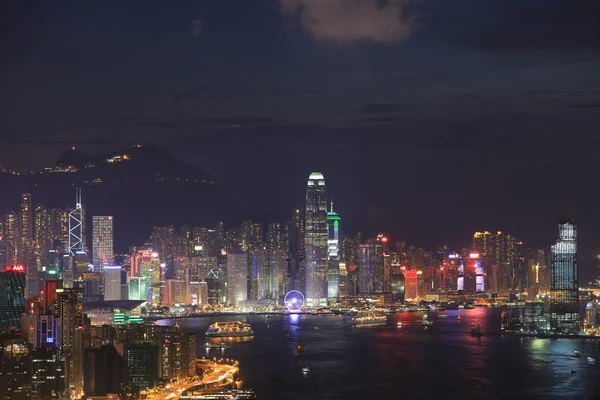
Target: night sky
{"points": [[429, 119]]}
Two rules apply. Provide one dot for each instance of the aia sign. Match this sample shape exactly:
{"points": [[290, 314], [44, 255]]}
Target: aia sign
{"points": [[14, 268]]}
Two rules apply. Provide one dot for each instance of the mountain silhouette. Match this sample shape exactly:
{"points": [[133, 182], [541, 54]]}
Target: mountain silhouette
{"points": [[141, 186]]}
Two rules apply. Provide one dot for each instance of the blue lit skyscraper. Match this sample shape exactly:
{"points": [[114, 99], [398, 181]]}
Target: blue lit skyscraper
{"points": [[316, 240], [564, 285]]}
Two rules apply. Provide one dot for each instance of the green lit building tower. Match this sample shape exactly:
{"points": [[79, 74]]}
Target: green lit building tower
{"points": [[12, 296], [316, 241], [333, 253], [564, 284]]}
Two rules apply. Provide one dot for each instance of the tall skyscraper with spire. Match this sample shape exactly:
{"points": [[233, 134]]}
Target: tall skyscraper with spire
{"points": [[76, 226], [316, 240]]}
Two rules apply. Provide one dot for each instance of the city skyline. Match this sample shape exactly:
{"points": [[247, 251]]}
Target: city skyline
{"points": [[308, 199], [407, 131]]}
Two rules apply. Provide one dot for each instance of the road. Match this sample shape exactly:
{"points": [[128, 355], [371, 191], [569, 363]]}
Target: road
{"points": [[216, 374]]}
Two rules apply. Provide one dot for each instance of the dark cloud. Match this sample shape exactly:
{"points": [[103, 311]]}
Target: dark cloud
{"points": [[384, 118], [189, 94], [62, 141], [542, 24], [382, 108], [237, 121], [584, 105], [156, 125]]}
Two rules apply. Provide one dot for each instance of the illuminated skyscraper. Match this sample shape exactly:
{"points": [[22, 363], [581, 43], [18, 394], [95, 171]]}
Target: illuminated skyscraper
{"points": [[112, 282], [12, 295], [69, 307], [498, 249], [102, 241], [333, 234], [268, 268], [5, 253], [274, 236], [10, 235], [564, 283], [371, 267], [316, 240], [237, 278], [333, 253], [137, 288], [25, 237], [76, 226], [295, 239], [411, 284]]}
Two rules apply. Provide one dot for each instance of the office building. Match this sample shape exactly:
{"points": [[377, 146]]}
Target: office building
{"points": [[268, 269], [76, 242], [46, 331], [142, 364], [47, 373], [6, 252], [176, 292], [275, 237], [70, 337], [237, 278], [12, 296], [411, 284], [24, 243], [500, 249], [316, 241], [102, 242], [104, 372], [564, 283], [112, 282], [371, 267], [137, 288], [470, 275], [15, 368]]}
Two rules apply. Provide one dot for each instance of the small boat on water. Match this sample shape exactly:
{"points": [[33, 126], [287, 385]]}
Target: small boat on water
{"points": [[549, 361], [591, 360], [229, 329], [299, 348], [427, 322], [305, 370], [575, 354], [476, 332]]}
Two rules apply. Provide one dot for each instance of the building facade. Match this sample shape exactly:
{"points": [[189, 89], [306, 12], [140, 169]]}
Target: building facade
{"points": [[102, 241], [237, 278], [316, 253], [564, 283]]}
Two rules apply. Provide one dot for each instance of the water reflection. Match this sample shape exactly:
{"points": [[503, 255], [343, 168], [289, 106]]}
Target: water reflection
{"points": [[375, 362]]}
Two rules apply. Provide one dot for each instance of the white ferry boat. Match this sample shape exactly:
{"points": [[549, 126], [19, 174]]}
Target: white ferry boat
{"points": [[229, 329]]}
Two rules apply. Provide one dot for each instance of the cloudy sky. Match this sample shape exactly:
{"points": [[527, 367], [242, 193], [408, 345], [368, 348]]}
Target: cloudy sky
{"points": [[429, 119]]}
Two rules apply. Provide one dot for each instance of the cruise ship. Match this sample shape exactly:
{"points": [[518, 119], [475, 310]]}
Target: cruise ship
{"points": [[229, 329], [365, 318]]}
